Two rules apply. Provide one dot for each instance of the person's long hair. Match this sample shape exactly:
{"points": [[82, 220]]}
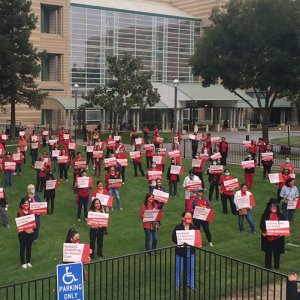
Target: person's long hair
{"points": [[146, 200], [93, 208], [70, 235], [287, 183], [49, 175]]}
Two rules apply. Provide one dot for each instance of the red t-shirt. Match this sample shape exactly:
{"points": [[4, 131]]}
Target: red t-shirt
{"points": [[143, 208], [222, 179], [290, 166]]}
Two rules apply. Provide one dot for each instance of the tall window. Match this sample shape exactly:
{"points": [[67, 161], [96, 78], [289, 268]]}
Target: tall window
{"points": [[51, 67], [51, 19]]}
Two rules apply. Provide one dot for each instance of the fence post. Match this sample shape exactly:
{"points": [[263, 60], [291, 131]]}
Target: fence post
{"points": [[184, 148], [259, 149], [185, 277]]}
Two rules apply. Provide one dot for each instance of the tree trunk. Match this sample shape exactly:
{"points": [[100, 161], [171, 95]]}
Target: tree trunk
{"points": [[12, 120], [265, 131]]}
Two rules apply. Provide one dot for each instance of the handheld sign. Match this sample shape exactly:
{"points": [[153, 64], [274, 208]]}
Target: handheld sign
{"points": [[215, 140], [65, 160], [198, 163], [203, 213], [22, 133], [110, 144], [163, 151], [153, 175], [66, 136], [85, 182], [70, 281], [276, 178], [1, 193], [16, 156], [160, 196], [76, 252], [97, 154], [11, 166], [123, 162], [247, 144], [216, 156], [149, 147], [204, 156], [97, 219], [190, 237], [215, 169], [101, 144], [278, 228], [231, 184], [193, 137], [25, 223], [139, 141], [105, 200], [114, 183], [39, 208], [153, 215], [72, 146], [89, 148], [245, 201], [30, 127], [294, 204], [34, 145], [117, 138], [55, 153], [174, 154], [159, 160], [110, 162], [135, 154], [45, 133], [248, 164], [267, 156], [192, 185], [39, 165], [177, 170], [52, 184], [52, 142], [159, 140]]}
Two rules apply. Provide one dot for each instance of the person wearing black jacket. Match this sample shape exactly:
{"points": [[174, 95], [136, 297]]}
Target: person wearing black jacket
{"points": [[267, 164], [179, 251], [292, 288], [172, 179], [3, 206], [213, 180], [270, 244], [194, 146], [49, 194]]}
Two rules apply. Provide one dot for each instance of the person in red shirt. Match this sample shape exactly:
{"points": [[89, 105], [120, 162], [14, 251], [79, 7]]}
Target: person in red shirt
{"points": [[44, 134], [95, 136], [3, 138], [213, 180], [40, 176], [149, 230], [149, 154], [156, 131], [23, 147], [19, 161], [110, 148], [227, 194], [8, 173], [137, 163], [160, 167], [198, 171], [77, 159], [66, 142], [34, 137], [100, 190], [285, 176], [224, 150], [267, 164], [151, 183], [178, 160], [262, 145], [208, 141], [253, 149], [118, 139], [63, 168], [133, 135], [2, 150], [89, 154], [287, 164], [177, 139], [98, 163], [113, 175], [172, 179], [83, 198], [61, 133], [249, 172], [122, 155]]}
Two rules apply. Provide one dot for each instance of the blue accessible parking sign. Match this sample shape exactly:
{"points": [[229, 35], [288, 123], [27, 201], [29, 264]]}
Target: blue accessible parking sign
{"points": [[70, 281]]}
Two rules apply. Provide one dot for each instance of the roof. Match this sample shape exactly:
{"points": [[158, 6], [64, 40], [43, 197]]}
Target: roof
{"points": [[136, 6], [158, 105], [195, 91], [68, 103], [279, 103]]}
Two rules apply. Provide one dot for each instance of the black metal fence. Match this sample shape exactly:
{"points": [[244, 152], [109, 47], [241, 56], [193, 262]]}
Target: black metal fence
{"points": [[237, 153], [142, 276]]}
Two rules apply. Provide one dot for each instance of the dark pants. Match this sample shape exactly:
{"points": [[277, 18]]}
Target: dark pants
{"points": [[40, 183], [24, 153], [34, 158], [194, 151], [89, 157], [213, 185], [44, 143], [8, 178], [200, 175], [149, 161], [63, 170], [278, 195], [123, 173], [223, 159], [205, 226], [82, 201], [272, 248], [52, 203], [25, 240], [171, 184], [138, 164], [108, 152], [96, 233], [267, 169], [224, 198], [37, 229]]}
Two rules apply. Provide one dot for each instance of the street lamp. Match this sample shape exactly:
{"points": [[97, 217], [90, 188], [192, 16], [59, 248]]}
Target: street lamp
{"points": [[175, 84], [76, 86]]}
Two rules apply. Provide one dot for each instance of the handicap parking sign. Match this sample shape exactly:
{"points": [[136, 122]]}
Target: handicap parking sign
{"points": [[70, 281]]}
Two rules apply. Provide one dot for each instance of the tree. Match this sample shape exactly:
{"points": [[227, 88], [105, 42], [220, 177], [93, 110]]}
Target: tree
{"points": [[252, 45], [130, 88], [19, 60]]}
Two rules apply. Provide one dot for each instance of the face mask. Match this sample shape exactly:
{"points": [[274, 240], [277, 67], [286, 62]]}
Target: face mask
{"points": [[268, 148], [120, 144], [100, 187], [227, 173], [214, 163], [158, 183], [112, 172], [244, 190], [97, 206], [187, 220], [249, 155], [287, 161], [150, 200], [26, 206], [153, 166], [200, 194], [158, 153], [197, 156], [18, 150], [192, 177], [32, 191], [273, 210], [109, 137], [76, 241], [292, 184], [121, 152]]}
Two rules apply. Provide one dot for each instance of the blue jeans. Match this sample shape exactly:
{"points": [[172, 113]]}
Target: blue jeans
{"points": [[8, 178], [24, 153], [37, 229], [249, 219], [116, 193], [288, 213], [190, 268], [34, 158], [148, 233], [19, 167], [82, 201]]}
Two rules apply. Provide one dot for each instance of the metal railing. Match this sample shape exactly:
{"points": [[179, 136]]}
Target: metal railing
{"points": [[152, 276]]}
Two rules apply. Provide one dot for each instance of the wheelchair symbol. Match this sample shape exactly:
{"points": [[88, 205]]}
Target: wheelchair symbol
{"points": [[68, 278]]}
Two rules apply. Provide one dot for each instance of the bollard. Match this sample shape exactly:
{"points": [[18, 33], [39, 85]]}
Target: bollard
{"points": [[207, 128], [218, 127], [248, 127]]}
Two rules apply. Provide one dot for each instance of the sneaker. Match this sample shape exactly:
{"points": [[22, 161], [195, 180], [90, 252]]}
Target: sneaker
{"points": [[87, 168], [205, 189], [66, 179], [175, 196], [254, 232], [111, 208], [242, 232], [123, 182], [29, 265], [24, 266], [61, 180], [85, 219], [9, 227], [78, 220], [210, 244], [217, 199], [120, 208]]}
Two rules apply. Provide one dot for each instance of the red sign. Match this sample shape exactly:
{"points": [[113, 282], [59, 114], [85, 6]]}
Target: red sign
{"points": [[135, 154], [110, 162], [101, 144], [276, 178], [52, 142], [105, 200], [204, 156], [159, 160], [248, 164], [52, 184], [114, 183], [163, 151], [76, 252], [215, 169], [123, 162], [65, 160], [149, 147], [97, 154], [177, 170], [153, 175], [97, 219], [192, 185], [152, 215], [85, 182], [110, 144], [159, 140], [30, 127], [25, 223], [215, 140], [39, 208], [247, 144], [174, 154], [16, 156]]}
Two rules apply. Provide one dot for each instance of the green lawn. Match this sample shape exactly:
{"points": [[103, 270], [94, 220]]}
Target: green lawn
{"points": [[126, 234], [294, 141]]}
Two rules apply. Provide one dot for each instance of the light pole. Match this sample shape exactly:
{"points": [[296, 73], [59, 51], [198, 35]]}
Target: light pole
{"points": [[76, 86], [175, 83]]}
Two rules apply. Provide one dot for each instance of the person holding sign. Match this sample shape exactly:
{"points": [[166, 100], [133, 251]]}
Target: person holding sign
{"points": [[32, 197], [23, 147], [137, 163], [186, 224], [213, 180], [224, 150], [98, 163], [4, 207], [226, 195], [95, 136], [3, 138], [190, 193], [267, 163], [149, 230], [76, 169], [159, 187], [198, 170], [89, 154], [25, 237], [289, 194], [249, 172], [109, 146], [172, 179], [55, 152], [253, 148], [271, 243], [195, 143], [113, 175], [177, 139], [122, 155], [178, 159], [239, 198], [96, 232], [201, 201], [6, 170], [19, 157], [287, 164], [149, 153], [49, 193], [207, 151], [64, 167], [61, 133], [292, 287], [151, 183], [44, 134], [285, 176], [34, 151]]}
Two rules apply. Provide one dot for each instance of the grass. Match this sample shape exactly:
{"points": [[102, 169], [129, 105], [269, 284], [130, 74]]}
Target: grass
{"points": [[126, 233], [294, 141]]}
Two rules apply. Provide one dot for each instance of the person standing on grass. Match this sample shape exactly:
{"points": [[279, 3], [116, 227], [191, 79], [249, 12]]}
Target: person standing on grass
{"points": [[148, 227], [198, 171], [44, 134], [95, 136], [23, 147], [25, 237], [4, 206], [76, 170], [262, 145], [133, 135], [287, 164], [113, 175], [89, 155], [3, 138], [19, 162], [285, 176], [61, 133], [207, 151], [137, 163], [96, 232], [109, 148], [178, 159], [201, 201], [40, 176], [151, 183], [97, 163], [188, 195], [195, 143], [253, 149], [289, 193], [159, 187], [8, 173], [64, 167], [32, 197], [146, 134], [224, 150], [249, 172], [186, 224], [267, 163], [149, 155], [54, 158], [122, 155], [49, 194], [172, 179], [243, 192], [226, 195], [208, 142], [272, 243], [213, 180]]}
